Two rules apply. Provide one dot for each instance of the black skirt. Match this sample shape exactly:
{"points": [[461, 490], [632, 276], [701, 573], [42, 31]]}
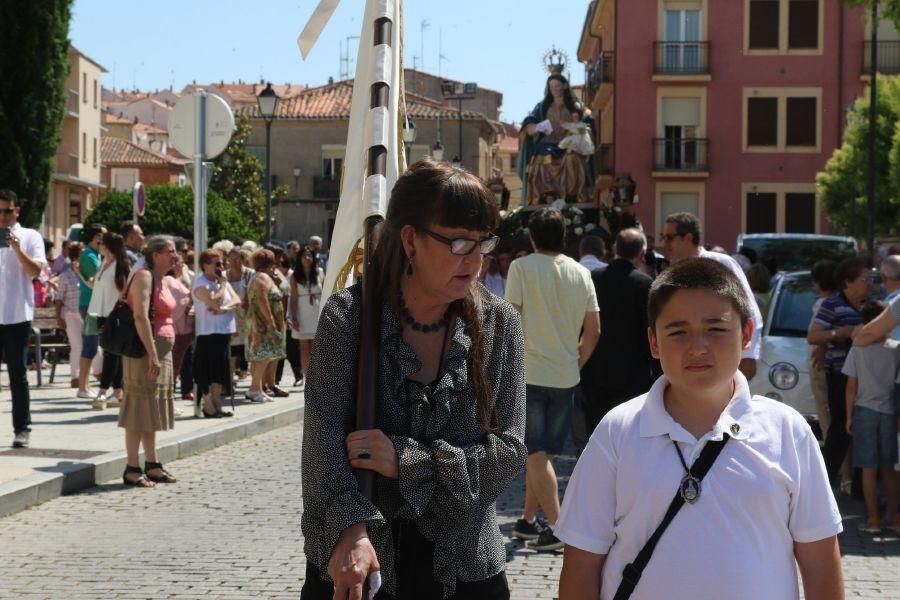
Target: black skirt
{"points": [[414, 566], [212, 362]]}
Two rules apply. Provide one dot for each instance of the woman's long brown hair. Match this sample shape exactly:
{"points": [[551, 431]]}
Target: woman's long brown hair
{"points": [[434, 193]]}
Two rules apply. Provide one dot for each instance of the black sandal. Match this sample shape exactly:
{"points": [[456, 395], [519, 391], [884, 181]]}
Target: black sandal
{"points": [[141, 481], [166, 476]]}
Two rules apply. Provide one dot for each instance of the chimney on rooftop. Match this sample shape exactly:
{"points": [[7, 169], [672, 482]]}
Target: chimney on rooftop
{"points": [[330, 80]]}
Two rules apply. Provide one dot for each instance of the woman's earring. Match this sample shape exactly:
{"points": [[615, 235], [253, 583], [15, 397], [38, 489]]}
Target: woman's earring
{"points": [[409, 269]]}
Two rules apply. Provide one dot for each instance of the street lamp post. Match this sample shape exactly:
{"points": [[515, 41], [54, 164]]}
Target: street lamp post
{"points": [[454, 90], [268, 109]]}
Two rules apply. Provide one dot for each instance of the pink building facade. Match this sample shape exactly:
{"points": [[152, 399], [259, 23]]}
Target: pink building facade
{"points": [[724, 108]]}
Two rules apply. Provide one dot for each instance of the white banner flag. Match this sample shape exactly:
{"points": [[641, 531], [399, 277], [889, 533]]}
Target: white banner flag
{"points": [[362, 195]]}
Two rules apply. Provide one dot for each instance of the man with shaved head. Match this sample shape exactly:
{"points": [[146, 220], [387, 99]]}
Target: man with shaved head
{"points": [[621, 366]]}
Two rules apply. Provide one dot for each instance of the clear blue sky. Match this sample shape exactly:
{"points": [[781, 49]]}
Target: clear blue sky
{"points": [[498, 44]]}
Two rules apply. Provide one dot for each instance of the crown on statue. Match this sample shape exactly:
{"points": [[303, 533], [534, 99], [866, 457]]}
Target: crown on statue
{"points": [[555, 61]]}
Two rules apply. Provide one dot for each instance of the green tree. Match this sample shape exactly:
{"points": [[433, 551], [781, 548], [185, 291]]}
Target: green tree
{"points": [[887, 9], [34, 64], [842, 184], [170, 209], [240, 177]]}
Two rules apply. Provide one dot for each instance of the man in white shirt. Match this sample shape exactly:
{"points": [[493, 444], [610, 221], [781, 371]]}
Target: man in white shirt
{"points": [[21, 260], [592, 249], [681, 240]]}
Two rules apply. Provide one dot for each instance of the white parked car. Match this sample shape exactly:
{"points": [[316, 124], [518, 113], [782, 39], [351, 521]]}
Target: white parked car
{"points": [[782, 371]]}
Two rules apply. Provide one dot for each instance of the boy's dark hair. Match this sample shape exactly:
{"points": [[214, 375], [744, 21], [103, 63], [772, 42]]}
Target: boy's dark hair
{"points": [[871, 309], [9, 196], [823, 274], [548, 229], [126, 228], [686, 223], [697, 274], [848, 270]]}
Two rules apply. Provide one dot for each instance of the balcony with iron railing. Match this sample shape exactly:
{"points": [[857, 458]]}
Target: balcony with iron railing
{"points": [[325, 188], [888, 58], [686, 156], [72, 109], [67, 164], [681, 59], [599, 79]]}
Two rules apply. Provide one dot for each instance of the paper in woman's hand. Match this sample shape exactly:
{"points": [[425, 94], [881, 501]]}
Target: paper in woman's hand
{"points": [[544, 127]]}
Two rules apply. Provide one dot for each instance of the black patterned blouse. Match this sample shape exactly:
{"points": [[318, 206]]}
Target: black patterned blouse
{"points": [[451, 471]]}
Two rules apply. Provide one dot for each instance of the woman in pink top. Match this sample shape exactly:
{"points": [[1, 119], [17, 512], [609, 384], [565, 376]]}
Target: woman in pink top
{"points": [[149, 403]]}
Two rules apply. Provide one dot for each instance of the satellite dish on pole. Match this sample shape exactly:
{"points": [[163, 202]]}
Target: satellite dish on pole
{"points": [[219, 126]]}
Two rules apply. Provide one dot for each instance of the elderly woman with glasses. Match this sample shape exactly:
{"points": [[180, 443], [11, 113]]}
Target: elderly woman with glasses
{"points": [[451, 407], [214, 305]]}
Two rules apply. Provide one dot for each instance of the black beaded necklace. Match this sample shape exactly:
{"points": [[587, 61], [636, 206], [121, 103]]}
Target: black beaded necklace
{"points": [[416, 326]]}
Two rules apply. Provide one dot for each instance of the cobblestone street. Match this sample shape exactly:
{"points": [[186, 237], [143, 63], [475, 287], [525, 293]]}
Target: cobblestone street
{"points": [[230, 529]]}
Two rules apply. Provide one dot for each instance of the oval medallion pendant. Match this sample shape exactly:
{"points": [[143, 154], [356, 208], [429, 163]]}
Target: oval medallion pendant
{"points": [[690, 488]]}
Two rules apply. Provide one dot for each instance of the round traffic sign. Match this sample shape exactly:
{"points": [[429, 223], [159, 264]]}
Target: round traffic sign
{"points": [[184, 120]]}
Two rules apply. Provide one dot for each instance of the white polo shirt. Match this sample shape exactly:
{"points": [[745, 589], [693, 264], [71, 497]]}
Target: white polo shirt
{"points": [[756, 341], [767, 489], [17, 291]]}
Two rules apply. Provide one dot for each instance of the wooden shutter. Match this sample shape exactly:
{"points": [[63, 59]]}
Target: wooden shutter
{"points": [[803, 24], [800, 213], [762, 122], [764, 24], [761, 217], [802, 116]]}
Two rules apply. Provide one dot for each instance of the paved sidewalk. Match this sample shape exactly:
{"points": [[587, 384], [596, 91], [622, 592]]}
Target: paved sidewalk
{"points": [[74, 446]]}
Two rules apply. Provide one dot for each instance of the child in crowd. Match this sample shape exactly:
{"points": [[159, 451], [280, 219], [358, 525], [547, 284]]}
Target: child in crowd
{"points": [[871, 371], [737, 531]]}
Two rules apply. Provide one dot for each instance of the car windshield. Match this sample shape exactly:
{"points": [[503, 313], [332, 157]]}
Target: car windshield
{"points": [[791, 254], [793, 308]]}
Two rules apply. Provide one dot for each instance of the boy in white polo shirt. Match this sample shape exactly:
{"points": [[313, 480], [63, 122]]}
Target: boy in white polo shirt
{"points": [[736, 531]]}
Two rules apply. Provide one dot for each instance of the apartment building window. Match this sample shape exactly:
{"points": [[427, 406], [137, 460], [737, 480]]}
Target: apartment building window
{"points": [[74, 207], [801, 122], [95, 93], [764, 24], [782, 120], [762, 212], [84, 148], [779, 208], [675, 202], [803, 24], [800, 213], [762, 122], [682, 26], [783, 26], [331, 168], [84, 95], [95, 152]]}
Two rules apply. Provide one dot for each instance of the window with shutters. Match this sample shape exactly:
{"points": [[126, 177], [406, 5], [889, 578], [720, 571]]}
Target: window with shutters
{"points": [[783, 26], [762, 122], [782, 120], [779, 208], [802, 114], [764, 24]]}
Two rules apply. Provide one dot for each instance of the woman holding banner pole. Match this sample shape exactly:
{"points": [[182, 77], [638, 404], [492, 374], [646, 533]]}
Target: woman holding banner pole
{"points": [[451, 410]]}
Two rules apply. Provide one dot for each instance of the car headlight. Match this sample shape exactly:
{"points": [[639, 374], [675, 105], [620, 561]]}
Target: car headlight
{"points": [[784, 376]]}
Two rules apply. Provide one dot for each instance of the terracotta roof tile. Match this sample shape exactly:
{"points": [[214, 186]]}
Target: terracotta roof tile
{"points": [[114, 119], [118, 152], [332, 101]]}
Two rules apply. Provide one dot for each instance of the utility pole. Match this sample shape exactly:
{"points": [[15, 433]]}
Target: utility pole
{"points": [[873, 115]]}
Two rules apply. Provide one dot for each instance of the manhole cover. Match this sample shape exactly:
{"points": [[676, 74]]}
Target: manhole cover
{"points": [[49, 453]]}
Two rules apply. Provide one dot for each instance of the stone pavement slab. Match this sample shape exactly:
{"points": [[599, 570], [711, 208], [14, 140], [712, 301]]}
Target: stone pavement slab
{"points": [[74, 446]]}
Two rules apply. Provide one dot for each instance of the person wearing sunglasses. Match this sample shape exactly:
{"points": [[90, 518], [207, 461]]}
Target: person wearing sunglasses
{"points": [[21, 260], [214, 305], [449, 434]]}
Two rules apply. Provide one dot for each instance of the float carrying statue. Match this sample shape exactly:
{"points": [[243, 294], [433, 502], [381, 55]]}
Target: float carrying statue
{"points": [[552, 145]]}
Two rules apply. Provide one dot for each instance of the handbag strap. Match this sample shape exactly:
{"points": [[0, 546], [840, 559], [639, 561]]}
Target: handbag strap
{"points": [[632, 572], [152, 285]]}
